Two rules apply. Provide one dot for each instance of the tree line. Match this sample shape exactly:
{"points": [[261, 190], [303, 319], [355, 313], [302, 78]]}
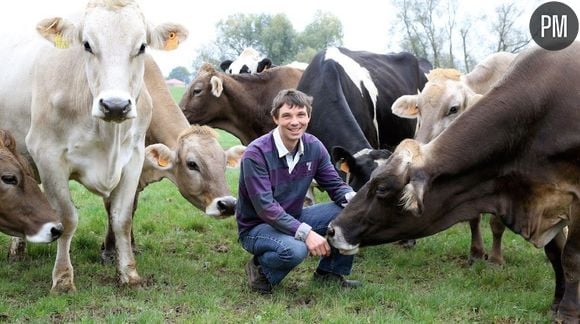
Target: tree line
{"points": [[431, 29]]}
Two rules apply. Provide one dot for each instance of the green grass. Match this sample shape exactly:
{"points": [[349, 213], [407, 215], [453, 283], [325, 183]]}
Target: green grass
{"points": [[193, 271]]}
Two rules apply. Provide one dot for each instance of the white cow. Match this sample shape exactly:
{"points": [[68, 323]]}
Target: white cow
{"points": [[80, 101]]}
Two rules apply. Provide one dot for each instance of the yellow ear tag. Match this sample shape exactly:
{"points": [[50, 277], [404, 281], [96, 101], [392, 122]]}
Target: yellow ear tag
{"points": [[162, 162], [344, 167], [172, 42], [60, 42]]}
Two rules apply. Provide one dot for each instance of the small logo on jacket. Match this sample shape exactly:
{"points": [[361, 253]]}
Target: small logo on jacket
{"points": [[309, 166]]}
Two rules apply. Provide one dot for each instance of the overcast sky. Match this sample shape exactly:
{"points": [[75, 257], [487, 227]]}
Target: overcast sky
{"points": [[366, 23]]}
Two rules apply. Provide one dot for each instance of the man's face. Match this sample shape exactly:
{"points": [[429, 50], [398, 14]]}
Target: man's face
{"points": [[292, 122]]}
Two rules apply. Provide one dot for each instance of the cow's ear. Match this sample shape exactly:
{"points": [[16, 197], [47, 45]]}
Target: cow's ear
{"points": [[344, 161], [159, 156], [167, 36], [417, 181], [264, 64], [234, 155], [406, 107], [60, 32], [225, 65], [217, 86], [472, 100]]}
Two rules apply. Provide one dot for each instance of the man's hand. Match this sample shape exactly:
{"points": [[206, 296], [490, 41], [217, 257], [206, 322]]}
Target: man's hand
{"points": [[317, 245]]}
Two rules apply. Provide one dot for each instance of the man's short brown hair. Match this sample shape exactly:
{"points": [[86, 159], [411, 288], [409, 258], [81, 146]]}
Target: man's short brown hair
{"points": [[291, 97]]}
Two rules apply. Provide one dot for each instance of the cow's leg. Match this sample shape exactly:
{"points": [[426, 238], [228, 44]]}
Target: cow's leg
{"points": [[16, 249], [554, 253], [108, 247], [108, 252], [121, 218], [569, 308], [477, 251], [55, 184], [497, 229]]}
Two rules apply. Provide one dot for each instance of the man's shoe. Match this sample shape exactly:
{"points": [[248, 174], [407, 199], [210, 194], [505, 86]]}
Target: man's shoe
{"points": [[333, 277], [256, 278]]}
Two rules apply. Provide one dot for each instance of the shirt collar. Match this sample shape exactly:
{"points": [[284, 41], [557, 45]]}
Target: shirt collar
{"points": [[282, 150]]}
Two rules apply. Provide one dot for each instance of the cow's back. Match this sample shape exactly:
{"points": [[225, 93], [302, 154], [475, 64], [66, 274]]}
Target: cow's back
{"points": [[334, 95], [336, 84], [16, 70]]}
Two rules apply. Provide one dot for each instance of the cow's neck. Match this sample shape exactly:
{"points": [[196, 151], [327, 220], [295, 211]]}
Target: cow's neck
{"points": [[167, 121], [251, 123]]}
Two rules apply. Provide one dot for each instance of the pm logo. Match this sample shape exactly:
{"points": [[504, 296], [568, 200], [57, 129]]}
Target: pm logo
{"points": [[554, 26]]}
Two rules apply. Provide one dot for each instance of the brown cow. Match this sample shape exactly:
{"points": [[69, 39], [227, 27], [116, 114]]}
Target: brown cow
{"points": [[25, 210], [514, 154], [445, 96], [239, 104]]}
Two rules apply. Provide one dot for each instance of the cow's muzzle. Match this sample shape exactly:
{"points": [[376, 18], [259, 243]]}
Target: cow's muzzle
{"points": [[115, 109]]}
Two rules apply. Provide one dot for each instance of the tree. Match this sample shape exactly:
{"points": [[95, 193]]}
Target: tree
{"points": [[423, 35], [325, 31], [278, 40], [240, 31], [509, 38], [180, 73], [210, 53], [430, 30], [271, 35], [451, 13]]}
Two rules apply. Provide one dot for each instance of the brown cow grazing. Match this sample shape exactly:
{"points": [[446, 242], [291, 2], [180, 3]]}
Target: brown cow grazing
{"points": [[25, 209], [239, 104], [445, 96], [514, 154]]}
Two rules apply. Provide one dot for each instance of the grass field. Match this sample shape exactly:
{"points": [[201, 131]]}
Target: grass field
{"points": [[193, 270]]}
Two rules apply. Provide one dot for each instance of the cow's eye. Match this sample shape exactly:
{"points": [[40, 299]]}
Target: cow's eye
{"points": [[453, 110], [88, 47], [196, 92], [9, 179], [381, 190], [192, 166], [142, 49]]}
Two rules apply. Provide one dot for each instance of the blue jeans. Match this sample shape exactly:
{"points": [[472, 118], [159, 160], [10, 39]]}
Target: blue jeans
{"points": [[279, 253]]}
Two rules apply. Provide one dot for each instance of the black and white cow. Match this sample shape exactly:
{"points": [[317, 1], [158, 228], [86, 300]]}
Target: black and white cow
{"points": [[249, 61], [353, 92]]}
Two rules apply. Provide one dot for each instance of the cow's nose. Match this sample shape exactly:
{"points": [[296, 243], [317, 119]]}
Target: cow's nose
{"points": [[227, 205], [115, 108], [330, 231], [56, 231]]}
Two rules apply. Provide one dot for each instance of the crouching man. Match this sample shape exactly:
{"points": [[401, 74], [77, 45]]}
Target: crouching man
{"points": [[275, 174]]}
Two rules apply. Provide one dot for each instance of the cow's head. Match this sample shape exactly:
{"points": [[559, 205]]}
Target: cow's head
{"points": [[203, 100], [24, 209], [248, 62], [197, 166], [443, 98], [113, 36], [387, 207], [359, 166]]}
